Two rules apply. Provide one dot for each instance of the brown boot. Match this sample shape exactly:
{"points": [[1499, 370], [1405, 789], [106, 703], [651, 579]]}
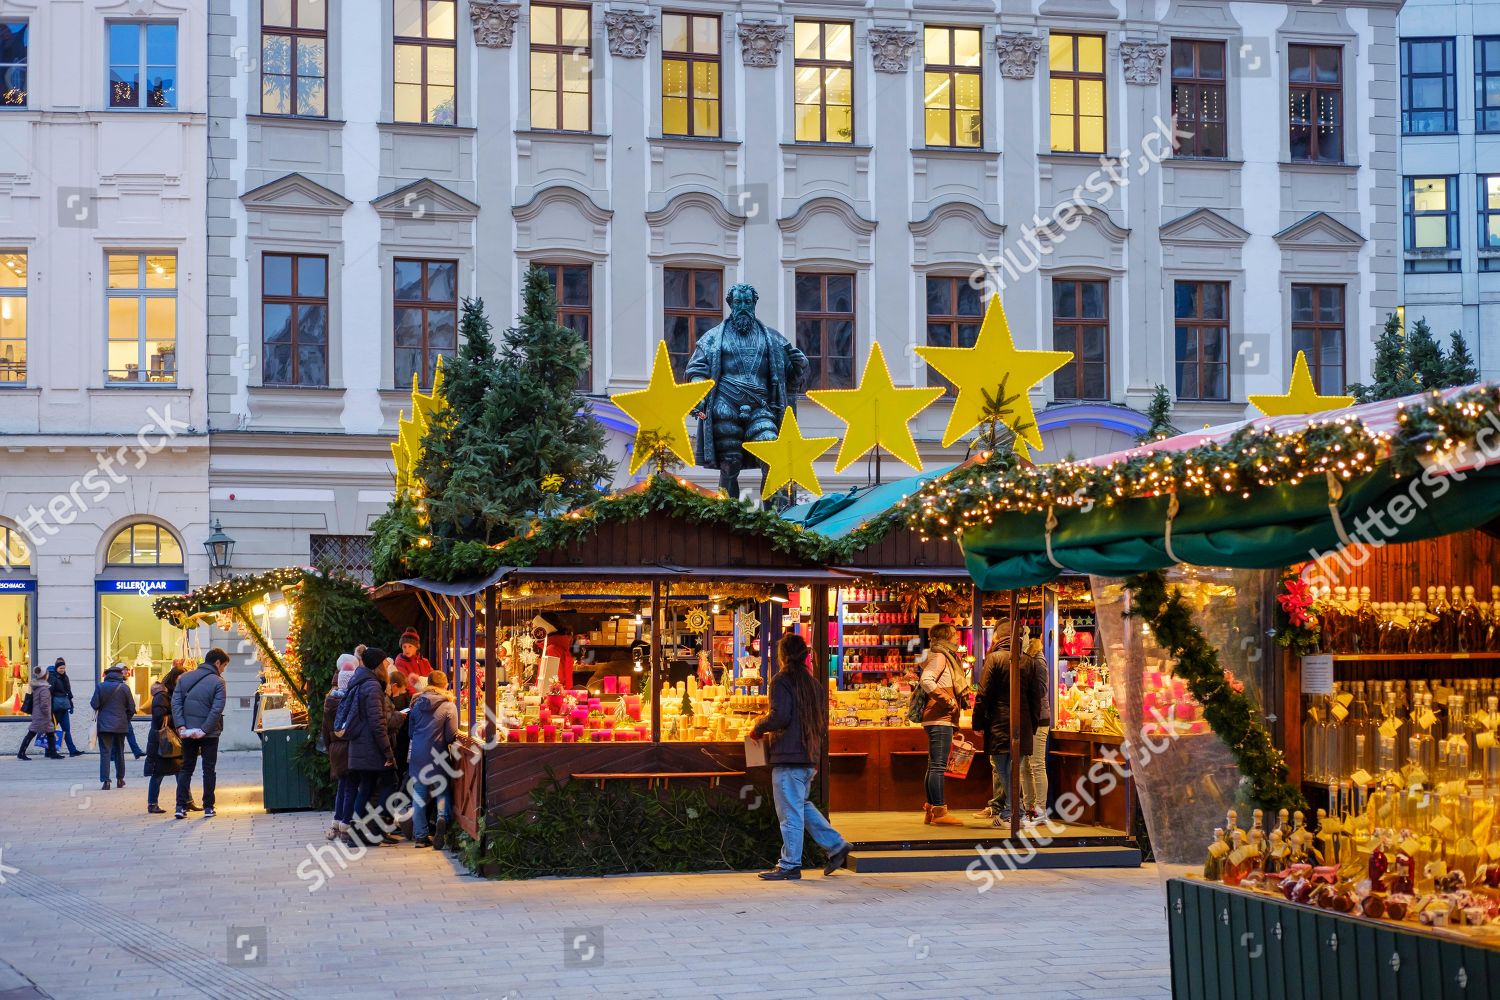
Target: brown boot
{"points": [[927, 813], [940, 817]]}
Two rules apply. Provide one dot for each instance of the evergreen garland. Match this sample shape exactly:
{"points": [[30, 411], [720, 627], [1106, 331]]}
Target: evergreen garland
{"points": [[1233, 715]]}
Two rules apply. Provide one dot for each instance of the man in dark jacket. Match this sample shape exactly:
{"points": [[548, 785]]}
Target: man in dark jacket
{"points": [[992, 717], [114, 707], [433, 723], [62, 703], [364, 725], [198, 713]]}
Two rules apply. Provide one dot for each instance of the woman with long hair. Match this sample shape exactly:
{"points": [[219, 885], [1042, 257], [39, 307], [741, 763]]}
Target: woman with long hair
{"points": [[796, 720], [946, 682]]}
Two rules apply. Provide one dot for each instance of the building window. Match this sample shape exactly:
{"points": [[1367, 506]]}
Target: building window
{"points": [[1198, 98], [1080, 324], [294, 58], [573, 284], [825, 328], [426, 316], [1318, 332], [141, 300], [144, 545], [1429, 98], [1315, 103], [954, 311], [560, 56], [15, 554], [693, 304], [426, 56], [1076, 66], [952, 87], [13, 42], [348, 555], [12, 318], [1431, 213], [824, 73], [1487, 84], [1489, 212], [143, 65], [690, 74], [294, 319], [1202, 312]]}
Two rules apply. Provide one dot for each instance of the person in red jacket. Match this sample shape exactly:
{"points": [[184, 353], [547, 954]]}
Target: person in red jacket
{"points": [[411, 662]]}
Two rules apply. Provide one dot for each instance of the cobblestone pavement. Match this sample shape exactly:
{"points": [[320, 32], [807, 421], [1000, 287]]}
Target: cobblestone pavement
{"points": [[100, 899]]}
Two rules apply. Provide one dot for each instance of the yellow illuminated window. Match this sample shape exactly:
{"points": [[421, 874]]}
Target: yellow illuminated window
{"points": [[141, 318], [952, 87], [144, 545], [690, 74], [1431, 219], [12, 317], [425, 53], [1076, 67], [823, 64], [561, 55]]}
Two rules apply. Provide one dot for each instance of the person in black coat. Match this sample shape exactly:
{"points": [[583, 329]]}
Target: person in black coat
{"points": [[366, 729], [159, 767], [992, 717], [62, 703]]}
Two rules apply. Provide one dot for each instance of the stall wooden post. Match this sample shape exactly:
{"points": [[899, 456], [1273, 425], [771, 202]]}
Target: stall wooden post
{"points": [[657, 673], [1014, 797], [491, 626], [820, 671]]}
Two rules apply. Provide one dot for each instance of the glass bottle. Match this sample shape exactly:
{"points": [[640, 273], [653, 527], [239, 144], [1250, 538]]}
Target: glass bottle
{"points": [[1493, 642], [1491, 757], [1214, 861], [1447, 641], [1469, 638], [1424, 721], [1312, 742], [1356, 734], [1336, 622]]}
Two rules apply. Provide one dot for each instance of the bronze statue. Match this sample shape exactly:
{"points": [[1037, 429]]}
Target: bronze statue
{"points": [[757, 372]]}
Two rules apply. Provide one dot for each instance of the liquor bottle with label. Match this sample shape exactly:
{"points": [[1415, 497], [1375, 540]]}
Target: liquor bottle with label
{"points": [[1424, 752]]}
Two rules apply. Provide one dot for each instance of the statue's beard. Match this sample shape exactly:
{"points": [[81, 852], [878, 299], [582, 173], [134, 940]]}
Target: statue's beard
{"points": [[742, 321]]}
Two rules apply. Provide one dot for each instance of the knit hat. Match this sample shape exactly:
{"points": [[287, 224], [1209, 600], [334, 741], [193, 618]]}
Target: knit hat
{"points": [[346, 663], [39, 676], [373, 657], [410, 635]]}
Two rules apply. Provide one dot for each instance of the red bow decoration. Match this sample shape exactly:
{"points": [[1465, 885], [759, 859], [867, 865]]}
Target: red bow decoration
{"points": [[1295, 602]]}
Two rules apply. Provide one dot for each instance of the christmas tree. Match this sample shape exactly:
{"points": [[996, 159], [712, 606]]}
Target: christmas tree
{"points": [[1461, 367], [1392, 376], [1159, 412], [1424, 357]]}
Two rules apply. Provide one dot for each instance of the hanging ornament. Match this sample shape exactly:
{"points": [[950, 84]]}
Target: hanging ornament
{"points": [[1301, 396], [993, 367], [697, 620], [789, 457], [660, 411], [877, 414], [748, 623]]}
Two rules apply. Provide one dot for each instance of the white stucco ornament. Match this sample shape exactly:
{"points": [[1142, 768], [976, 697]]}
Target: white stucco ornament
{"points": [[629, 33], [892, 48], [1143, 61], [1018, 55], [494, 23], [760, 42]]}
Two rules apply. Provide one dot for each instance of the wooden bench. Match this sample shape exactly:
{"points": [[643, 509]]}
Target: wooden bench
{"points": [[663, 778]]}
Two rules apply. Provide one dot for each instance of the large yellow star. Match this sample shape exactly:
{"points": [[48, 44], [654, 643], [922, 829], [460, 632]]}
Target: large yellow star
{"points": [[1301, 396], [980, 369], [407, 449], [662, 408], [789, 458], [877, 413]]}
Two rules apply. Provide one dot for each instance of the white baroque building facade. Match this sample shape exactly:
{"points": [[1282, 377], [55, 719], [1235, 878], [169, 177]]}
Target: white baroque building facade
{"points": [[104, 284], [1450, 171]]}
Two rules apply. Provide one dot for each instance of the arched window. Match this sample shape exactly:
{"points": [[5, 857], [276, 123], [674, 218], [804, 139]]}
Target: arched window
{"points": [[144, 545], [15, 553]]}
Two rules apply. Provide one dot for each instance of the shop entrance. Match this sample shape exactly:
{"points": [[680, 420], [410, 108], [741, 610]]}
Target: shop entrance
{"points": [[17, 620], [143, 562]]}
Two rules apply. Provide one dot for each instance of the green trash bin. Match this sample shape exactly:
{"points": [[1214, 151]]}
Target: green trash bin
{"points": [[285, 787]]}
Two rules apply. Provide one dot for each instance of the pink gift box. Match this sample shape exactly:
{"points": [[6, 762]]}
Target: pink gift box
{"points": [[544, 716], [579, 694], [531, 733], [1148, 702], [576, 732], [549, 734], [1155, 679], [580, 715], [1179, 689], [595, 723], [603, 735], [555, 702], [568, 736], [595, 703], [609, 685], [633, 712], [1187, 712]]}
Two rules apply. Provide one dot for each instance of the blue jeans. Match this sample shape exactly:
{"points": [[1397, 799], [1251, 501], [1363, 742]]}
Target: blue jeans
{"points": [[939, 742], [65, 726], [343, 798], [421, 793], [135, 747], [1000, 782], [789, 787], [111, 747], [153, 788]]}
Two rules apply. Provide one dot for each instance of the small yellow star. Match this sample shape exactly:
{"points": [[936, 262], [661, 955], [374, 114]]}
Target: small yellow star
{"points": [[877, 414], [1301, 396], [980, 369], [662, 407], [789, 458]]}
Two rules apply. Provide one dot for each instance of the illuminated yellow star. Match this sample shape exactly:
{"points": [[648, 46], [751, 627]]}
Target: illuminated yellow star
{"points": [[789, 458], [980, 369], [877, 413], [1301, 396], [662, 408], [406, 450]]}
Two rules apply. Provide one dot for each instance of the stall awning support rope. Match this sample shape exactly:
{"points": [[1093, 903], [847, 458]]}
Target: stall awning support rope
{"points": [[1172, 508], [1335, 494], [1052, 526]]}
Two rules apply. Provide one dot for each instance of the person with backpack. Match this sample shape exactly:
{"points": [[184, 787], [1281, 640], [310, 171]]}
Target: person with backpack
{"points": [[945, 684], [362, 721], [798, 703], [198, 713], [433, 723], [163, 746], [114, 707], [38, 703], [62, 704]]}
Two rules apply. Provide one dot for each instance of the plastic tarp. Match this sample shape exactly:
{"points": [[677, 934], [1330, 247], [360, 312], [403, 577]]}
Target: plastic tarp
{"points": [[838, 514]]}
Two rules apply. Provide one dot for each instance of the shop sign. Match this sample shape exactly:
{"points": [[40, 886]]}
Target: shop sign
{"points": [[17, 586], [145, 588]]}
